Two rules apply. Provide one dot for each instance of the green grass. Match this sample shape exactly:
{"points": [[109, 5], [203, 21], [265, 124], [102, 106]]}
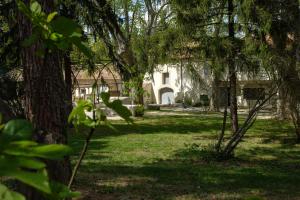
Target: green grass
{"points": [[162, 157]]}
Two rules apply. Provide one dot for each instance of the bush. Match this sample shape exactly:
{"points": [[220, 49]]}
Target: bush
{"points": [[188, 101], [139, 111], [204, 101], [153, 107]]}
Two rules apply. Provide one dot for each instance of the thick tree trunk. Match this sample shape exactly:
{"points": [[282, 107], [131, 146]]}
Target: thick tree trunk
{"points": [[282, 109], [292, 83], [68, 81], [45, 98], [232, 71]]}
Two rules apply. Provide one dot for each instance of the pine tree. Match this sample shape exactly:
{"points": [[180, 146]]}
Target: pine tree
{"points": [[279, 27]]}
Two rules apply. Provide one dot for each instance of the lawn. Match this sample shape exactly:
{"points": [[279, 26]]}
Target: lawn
{"points": [[163, 157]]}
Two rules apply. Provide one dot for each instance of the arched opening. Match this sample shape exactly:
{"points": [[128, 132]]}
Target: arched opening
{"points": [[167, 96]]}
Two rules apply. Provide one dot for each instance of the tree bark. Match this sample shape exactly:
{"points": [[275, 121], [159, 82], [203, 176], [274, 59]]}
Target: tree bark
{"points": [[282, 109], [286, 48], [45, 98], [292, 82], [214, 101], [68, 82], [139, 98], [232, 70]]}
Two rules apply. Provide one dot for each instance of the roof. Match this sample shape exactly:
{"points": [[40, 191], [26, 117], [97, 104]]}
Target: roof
{"points": [[107, 75]]}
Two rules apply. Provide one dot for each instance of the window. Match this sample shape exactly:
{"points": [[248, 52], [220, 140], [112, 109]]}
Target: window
{"points": [[83, 91], [166, 79], [224, 96], [103, 88], [254, 93]]}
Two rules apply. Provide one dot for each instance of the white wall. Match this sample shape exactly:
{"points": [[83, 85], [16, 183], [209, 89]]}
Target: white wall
{"points": [[191, 87]]}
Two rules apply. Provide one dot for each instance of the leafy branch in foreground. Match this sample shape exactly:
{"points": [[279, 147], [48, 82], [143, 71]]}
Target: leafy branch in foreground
{"points": [[79, 118], [20, 159], [56, 32]]}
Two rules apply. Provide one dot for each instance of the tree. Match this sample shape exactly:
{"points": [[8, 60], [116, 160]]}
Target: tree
{"points": [[222, 32], [44, 94], [129, 35], [279, 29], [10, 83]]}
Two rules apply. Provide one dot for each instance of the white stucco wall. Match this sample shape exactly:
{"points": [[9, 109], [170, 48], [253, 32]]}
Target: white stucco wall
{"points": [[190, 87]]}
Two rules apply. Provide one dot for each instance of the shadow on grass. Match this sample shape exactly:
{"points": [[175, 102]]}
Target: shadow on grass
{"points": [[188, 174], [164, 124], [272, 172]]}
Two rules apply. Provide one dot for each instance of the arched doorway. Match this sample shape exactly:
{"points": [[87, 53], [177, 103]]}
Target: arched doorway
{"points": [[167, 96]]}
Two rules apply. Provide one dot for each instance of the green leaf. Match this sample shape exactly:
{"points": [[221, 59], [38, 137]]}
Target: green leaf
{"points": [[30, 163], [65, 26], [23, 144], [6, 194], [122, 111], [82, 47], [56, 36], [117, 106], [60, 191], [36, 8], [78, 115], [38, 180], [51, 16], [17, 130], [23, 8], [52, 151], [105, 97], [9, 163]]}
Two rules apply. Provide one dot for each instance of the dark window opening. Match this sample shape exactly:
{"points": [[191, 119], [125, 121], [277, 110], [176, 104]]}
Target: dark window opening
{"points": [[254, 93], [166, 79], [224, 96], [83, 91]]}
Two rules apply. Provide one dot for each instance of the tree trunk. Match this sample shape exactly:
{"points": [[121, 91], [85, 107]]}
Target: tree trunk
{"points": [[44, 98], [282, 109], [232, 71], [294, 109], [292, 83], [214, 101], [139, 99], [68, 81]]}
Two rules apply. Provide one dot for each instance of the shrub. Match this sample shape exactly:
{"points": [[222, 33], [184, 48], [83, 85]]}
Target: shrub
{"points": [[139, 111], [204, 101], [188, 101], [153, 107]]}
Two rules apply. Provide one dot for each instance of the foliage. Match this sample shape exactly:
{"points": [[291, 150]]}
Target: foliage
{"points": [[20, 159], [153, 107], [139, 111], [11, 88], [204, 101], [79, 118], [56, 32]]}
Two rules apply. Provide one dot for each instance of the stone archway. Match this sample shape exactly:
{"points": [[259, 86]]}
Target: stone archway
{"points": [[166, 96]]}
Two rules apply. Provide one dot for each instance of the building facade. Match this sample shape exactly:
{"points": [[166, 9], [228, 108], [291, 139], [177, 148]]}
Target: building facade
{"points": [[107, 80], [192, 83]]}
